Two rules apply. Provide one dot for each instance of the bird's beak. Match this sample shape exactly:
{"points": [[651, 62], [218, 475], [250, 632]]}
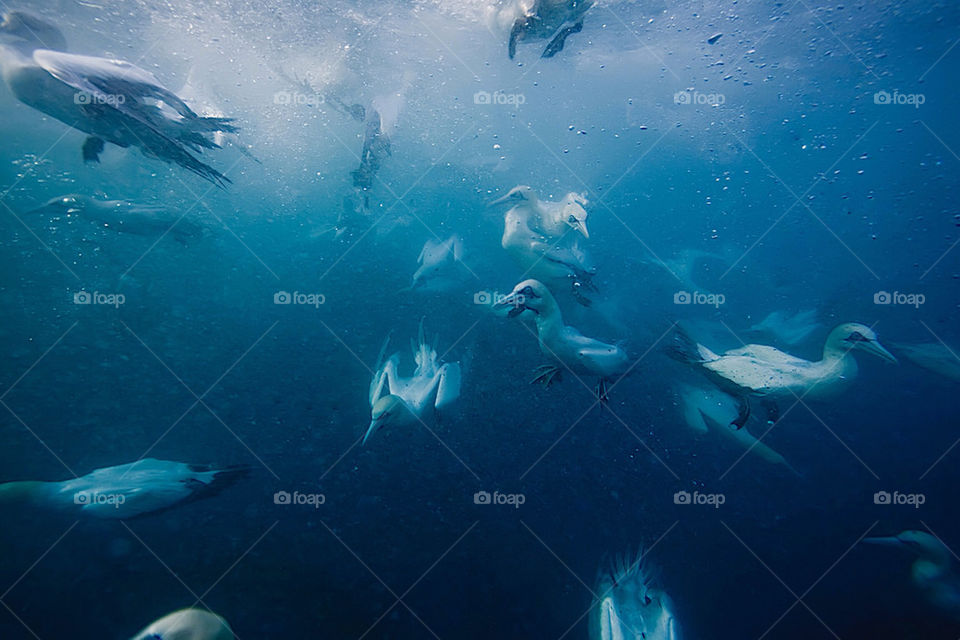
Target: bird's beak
{"points": [[498, 200], [878, 350], [890, 541], [581, 226], [374, 425], [513, 302]]}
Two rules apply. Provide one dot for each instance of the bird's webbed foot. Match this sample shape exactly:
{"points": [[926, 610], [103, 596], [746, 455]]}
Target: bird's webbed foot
{"points": [[546, 374], [556, 45], [743, 412]]}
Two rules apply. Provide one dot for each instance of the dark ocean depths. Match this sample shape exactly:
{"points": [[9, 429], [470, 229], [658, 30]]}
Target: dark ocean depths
{"points": [[773, 150]]}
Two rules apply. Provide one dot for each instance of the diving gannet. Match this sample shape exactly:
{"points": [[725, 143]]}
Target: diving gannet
{"points": [[788, 329], [397, 402], [933, 570], [542, 20], [573, 350], [933, 356], [630, 606], [764, 372], [124, 216], [438, 262], [536, 234], [111, 100], [706, 409], [187, 624], [126, 490]]}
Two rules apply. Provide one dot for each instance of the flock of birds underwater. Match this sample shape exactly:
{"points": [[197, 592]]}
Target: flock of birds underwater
{"points": [[734, 392]]}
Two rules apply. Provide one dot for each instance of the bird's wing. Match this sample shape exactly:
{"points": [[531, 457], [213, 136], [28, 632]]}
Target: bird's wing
{"points": [[765, 353], [130, 489], [602, 358], [118, 83], [760, 375], [384, 380], [457, 248], [448, 387]]}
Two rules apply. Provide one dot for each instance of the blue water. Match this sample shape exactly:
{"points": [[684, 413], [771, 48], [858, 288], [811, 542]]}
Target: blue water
{"points": [[783, 163]]}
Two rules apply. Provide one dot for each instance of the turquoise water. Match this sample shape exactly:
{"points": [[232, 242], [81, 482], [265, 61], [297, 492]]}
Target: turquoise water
{"points": [[808, 157]]}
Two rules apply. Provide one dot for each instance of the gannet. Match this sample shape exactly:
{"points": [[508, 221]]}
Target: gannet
{"points": [[397, 402], [438, 262], [552, 219], [536, 233], [629, 606], [126, 490], [376, 145], [933, 356], [788, 329], [124, 216], [932, 572], [540, 20], [573, 350], [765, 372], [112, 100], [187, 624], [709, 408]]}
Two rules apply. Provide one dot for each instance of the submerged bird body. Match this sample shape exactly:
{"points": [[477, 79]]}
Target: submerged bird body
{"points": [[788, 329], [932, 571], [630, 607], [704, 409], [541, 20], [124, 491], [935, 356], [112, 100], [397, 401], [537, 235], [187, 624], [766, 372], [573, 350], [124, 216], [438, 262]]}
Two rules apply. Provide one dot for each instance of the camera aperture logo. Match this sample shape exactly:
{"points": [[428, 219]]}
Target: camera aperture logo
{"points": [[310, 299], [910, 499], [698, 297], [898, 298], [95, 498], [86, 297], [485, 497], [296, 498], [711, 499], [499, 98]]}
